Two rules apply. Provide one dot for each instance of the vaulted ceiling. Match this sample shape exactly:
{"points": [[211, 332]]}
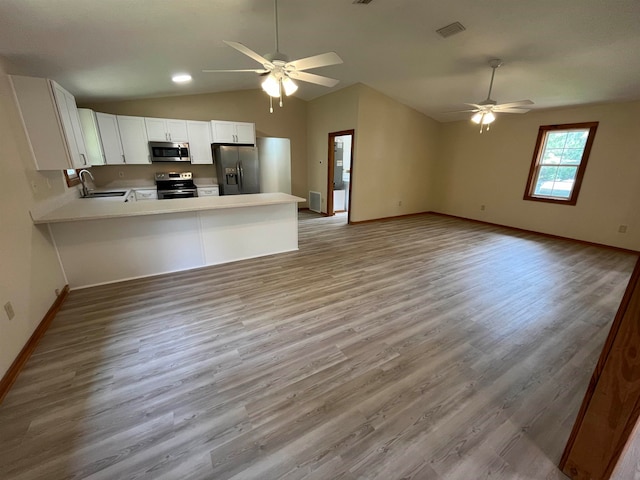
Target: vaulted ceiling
{"points": [[556, 53]]}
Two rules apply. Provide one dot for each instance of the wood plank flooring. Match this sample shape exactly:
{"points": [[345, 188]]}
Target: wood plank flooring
{"points": [[424, 347]]}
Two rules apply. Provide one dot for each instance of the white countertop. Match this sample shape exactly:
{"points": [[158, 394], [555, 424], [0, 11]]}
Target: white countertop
{"points": [[97, 208]]}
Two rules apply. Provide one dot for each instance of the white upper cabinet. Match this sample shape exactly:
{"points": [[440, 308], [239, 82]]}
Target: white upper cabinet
{"points": [[233, 132], [166, 130], [110, 137], [135, 143], [199, 135], [71, 124], [92, 141], [52, 124]]}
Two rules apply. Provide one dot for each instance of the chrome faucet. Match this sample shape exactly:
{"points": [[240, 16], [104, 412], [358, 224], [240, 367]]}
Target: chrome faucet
{"points": [[85, 190]]}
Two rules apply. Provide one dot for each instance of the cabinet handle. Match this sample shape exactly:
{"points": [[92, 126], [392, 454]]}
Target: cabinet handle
{"points": [[84, 159], [124, 159]]}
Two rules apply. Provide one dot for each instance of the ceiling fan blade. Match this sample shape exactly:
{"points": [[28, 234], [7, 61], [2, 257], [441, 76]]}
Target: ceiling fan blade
{"points": [[317, 61], [250, 53], [241, 70], [515, 104], [511, 110], [313, 78], [475, 105], [463, 111]]}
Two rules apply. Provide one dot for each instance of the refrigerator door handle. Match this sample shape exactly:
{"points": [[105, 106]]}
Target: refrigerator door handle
{"points": [[239, 170]]}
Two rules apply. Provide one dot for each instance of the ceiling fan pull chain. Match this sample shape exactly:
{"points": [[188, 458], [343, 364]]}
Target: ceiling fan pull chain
{"points": [[270, 104]]}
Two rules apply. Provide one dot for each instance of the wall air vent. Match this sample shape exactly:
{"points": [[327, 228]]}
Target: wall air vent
{"points": [[452, 29], [315, 202], [364, 2]]}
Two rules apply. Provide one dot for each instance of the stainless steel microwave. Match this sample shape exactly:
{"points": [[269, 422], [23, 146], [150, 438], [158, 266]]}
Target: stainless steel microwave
{"points": [[169, 152]]}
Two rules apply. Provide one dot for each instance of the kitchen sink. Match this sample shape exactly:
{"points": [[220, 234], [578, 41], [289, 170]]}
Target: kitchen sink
{"points": [[115, 193]]}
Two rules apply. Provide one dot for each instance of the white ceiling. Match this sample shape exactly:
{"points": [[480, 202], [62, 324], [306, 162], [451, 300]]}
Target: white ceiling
{"points": [[555, 52]]}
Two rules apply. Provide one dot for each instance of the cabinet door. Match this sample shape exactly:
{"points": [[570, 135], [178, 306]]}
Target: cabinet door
{"points": [[110, 138], [223, 132], [177, 130], [156, 129], [246, 133], [43, 127], [133, 135], [77, 129], [92, 141], [62, 104], [199, 135]]}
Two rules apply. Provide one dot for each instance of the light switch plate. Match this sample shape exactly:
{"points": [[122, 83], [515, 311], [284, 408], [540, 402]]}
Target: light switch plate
{"points": [[9, 309]]}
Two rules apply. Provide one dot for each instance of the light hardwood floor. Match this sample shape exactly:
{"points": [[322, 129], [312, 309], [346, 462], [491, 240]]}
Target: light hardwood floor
{"points": [[425, 347]]}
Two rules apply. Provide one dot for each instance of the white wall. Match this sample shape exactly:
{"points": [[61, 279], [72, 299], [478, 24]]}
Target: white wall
{"points": [[29, 267], [491, 169]]}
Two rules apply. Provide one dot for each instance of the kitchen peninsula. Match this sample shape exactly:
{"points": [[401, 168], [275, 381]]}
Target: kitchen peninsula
{"points": [[103, 241]]}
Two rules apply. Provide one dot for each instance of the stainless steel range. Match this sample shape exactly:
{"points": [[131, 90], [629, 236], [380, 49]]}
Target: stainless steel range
{"points": [[175, 185]]}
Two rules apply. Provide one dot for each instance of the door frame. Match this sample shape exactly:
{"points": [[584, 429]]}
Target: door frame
{"points": [[330, 170]]}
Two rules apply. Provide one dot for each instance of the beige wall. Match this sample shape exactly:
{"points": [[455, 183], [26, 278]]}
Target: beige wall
{"points": [[30, 271], [395, 151], [331, 113], [242, 106], [491, 169]]}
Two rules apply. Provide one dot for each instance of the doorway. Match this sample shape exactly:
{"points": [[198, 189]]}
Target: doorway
{"points": [[340, 173]]}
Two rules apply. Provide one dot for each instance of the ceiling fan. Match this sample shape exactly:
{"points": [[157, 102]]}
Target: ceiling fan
{"points": [[484, 112], [280, 72]]}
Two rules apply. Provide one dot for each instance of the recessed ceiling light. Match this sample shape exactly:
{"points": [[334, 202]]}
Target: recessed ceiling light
{"points": [[181, 78]]}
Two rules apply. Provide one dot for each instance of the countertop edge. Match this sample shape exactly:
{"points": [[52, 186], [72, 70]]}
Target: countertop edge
{"points": [[78, 210]]}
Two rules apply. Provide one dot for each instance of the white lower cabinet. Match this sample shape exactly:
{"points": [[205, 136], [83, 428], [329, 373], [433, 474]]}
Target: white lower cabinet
{"points": [[133, 135], [208, 191], [146, 194]]}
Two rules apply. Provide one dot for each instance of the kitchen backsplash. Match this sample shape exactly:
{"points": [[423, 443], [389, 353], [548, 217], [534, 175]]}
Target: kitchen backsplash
{"points": [[143, 175]]}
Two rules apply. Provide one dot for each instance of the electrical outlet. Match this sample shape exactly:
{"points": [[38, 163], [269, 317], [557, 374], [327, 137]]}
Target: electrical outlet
{"points": [[622, 229], [482, 207], [9, 309], [121, 174]]}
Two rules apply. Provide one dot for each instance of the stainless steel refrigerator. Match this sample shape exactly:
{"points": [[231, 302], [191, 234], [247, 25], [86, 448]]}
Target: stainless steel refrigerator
{"points": [[237, 168]]}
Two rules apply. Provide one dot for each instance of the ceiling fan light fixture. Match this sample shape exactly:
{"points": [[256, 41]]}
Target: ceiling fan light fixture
{"points": [[488, 118], [477, 118], [289, 86], [271, 85]]}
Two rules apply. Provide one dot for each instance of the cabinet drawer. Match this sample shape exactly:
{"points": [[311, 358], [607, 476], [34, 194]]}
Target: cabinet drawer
{"points": [[146, 195], [208, 191]]}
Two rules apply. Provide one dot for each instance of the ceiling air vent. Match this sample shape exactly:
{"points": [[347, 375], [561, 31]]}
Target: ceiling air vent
{"points": [[452, 29], [364, 2]]}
